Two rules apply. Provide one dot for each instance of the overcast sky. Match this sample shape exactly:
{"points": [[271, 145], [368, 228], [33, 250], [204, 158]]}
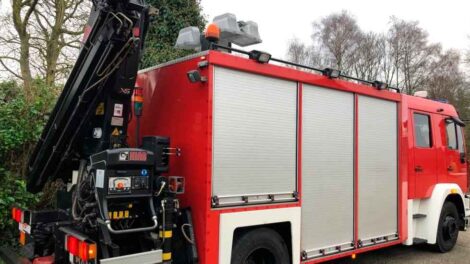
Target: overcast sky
{"points": [[447, 22]]}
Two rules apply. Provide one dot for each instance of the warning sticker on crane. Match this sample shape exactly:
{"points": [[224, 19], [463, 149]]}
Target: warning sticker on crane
{"points": [[117, 121], [100, 109], [115, 132], [118, 108]]}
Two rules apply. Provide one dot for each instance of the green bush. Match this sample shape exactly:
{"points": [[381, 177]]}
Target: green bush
{"points": [[21, 124], [12, 193]]}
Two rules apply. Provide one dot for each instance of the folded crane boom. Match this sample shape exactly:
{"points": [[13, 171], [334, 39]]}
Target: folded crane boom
{"points": [[103, 76]]}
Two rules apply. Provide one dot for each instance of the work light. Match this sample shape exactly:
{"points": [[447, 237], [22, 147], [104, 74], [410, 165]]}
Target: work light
{"points": [[380, 85], [260, 56], [331, 73], [194, 76]]}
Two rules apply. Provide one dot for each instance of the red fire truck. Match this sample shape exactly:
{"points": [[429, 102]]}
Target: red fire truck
{"points": [[267, 163], [314, 167]]}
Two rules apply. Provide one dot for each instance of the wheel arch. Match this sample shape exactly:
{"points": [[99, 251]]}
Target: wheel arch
{"points": [[285, 221], [426, 228], [457, 200], [284, 229]]}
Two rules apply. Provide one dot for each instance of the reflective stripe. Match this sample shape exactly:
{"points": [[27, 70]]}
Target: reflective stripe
{"points": [[166, 256], [167, 234]]}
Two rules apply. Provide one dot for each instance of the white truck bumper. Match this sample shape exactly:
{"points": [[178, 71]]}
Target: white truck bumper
{"points": [[150, 257]]}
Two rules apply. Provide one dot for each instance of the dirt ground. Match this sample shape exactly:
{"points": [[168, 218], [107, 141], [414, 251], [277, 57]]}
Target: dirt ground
{"points": [[420, 254]]}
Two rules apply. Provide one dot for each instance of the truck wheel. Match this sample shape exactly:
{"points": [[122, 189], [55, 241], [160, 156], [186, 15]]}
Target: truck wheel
{"points": [[260, 246], [448, 229]]}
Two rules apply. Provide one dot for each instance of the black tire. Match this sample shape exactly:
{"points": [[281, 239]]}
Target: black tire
{"points": [[260, 246], [448, 228]]}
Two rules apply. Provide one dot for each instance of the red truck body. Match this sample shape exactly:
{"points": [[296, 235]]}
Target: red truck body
{"points": [[182, 110]]}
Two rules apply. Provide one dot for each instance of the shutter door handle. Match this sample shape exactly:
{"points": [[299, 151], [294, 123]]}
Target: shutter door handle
{"points": [[450, 168], [418, 169]]}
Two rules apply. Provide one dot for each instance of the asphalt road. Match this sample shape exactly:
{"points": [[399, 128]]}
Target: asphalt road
{"points": [[420, 254]]}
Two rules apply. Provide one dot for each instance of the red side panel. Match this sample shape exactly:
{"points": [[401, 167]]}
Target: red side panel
{"points": [[176, 108]]}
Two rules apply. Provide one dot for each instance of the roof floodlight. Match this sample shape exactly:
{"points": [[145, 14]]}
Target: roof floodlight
{"points": [[250, 34], [228, 26], [189, 38]]}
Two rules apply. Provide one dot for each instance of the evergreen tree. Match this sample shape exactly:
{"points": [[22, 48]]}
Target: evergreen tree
{"points": [[172, 16]]}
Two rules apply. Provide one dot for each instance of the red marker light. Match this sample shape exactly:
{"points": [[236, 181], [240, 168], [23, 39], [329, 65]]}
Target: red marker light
{"points": [[72, 245], [16, 214], [83, 251], [136, 32], [13, 213], [86, 251]]}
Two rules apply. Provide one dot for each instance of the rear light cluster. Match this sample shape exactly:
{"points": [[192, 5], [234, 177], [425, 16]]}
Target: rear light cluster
{"points": [[79, 248], [17, 214]]}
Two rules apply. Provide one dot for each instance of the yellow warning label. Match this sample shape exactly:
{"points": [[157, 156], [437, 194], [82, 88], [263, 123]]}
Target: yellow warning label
{"points": [[166, 256], [115, 132], [167, 234], [100, 109]]}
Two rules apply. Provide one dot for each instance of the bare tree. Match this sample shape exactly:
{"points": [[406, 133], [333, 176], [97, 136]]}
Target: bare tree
{"points": [[58, 37], [367, 57], [21, 14], [297, 51], [41, 38], [338, 33], [412, 54], [445, 78]]}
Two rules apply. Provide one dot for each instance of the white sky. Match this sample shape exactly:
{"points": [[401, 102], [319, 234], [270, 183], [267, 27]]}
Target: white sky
{"points": [[447, 22]]}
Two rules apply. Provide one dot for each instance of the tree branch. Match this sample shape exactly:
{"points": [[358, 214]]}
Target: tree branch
{"points": [[10, 70]]}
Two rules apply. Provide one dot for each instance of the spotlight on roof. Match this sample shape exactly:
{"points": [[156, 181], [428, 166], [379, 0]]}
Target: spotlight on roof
{"points": [[250, 34], [331, 73], [228, 25], [380, 85], [189, 38], [240, 33], [260, 56]]}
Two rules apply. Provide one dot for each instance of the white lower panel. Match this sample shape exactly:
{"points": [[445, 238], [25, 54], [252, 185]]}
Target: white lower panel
{"points": [[426, 227], [149, 257], [231, 221]]}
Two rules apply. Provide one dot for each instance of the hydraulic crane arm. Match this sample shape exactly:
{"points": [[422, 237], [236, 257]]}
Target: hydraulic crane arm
{"points": [[92, 112]]}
